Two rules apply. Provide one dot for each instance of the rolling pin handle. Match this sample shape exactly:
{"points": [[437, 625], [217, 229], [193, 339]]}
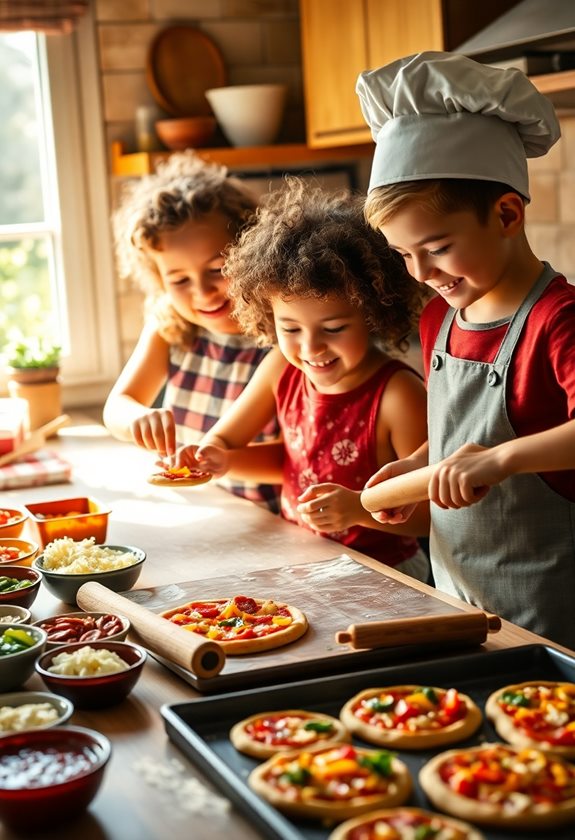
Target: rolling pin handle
{"points": [[493, 623], [343, 637]]}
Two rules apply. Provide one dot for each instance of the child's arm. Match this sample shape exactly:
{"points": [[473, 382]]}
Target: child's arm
{"points": [[224, 449], [402, 428], [466, 476], [128, 413]]}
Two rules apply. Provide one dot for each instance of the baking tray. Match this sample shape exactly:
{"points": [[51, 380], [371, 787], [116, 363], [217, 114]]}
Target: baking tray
{"points": [[333, 593], [200, 728]]}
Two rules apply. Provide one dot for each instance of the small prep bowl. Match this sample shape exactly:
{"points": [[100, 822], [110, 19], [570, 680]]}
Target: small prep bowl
{"points": [[16, 668], [63, 707], [27, 808], [69, 626], [78, 518], [21, 597], [15, 528], [94, 692], [24, 551], [186, 132], [13, 614], [65, 586]]}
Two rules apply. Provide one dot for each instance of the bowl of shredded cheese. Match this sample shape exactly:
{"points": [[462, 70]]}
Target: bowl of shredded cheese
{"points": [[94, 675], [65, 565]]}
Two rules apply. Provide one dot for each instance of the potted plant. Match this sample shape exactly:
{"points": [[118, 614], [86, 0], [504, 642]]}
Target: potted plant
{"points": [[33, 374]]}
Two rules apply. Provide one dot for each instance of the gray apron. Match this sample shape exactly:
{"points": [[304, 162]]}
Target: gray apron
{"points": [[512, 553]]}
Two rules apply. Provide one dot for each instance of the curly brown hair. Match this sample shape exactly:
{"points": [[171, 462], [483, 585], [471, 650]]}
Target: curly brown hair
{"points": [[182, 189], [309, 243]]}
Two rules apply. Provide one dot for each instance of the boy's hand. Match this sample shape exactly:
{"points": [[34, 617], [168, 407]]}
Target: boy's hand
{"points": [[156, 430], [465, 476], [330, 508], [397, 515], [209, 458]]}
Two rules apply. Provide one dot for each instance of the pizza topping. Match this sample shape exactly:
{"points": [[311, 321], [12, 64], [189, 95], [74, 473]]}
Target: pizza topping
{"points": [[284, 730], [336, 774], [514, 779], [544, 712], [175, 473], [411, 709], [233, 619], [406, 824]]}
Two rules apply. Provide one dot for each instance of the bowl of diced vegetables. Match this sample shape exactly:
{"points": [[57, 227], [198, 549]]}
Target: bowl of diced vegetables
{"points": [[12, 521], [19, 585], [17, 552], [20, 646]]}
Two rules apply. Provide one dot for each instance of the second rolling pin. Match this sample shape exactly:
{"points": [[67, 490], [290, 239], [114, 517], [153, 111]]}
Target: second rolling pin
{"points": [[404, 489], [462, 627], [202, 657]]}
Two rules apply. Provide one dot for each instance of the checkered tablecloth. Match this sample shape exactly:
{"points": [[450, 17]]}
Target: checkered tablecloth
{"points": [[41, 467]]}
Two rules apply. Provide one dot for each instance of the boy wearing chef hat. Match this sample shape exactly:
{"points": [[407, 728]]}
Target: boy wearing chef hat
{"points": [[448, 190]]}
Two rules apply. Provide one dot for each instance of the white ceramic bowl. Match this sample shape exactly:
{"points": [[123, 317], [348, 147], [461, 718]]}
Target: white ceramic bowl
{"points": [[249, 115]]}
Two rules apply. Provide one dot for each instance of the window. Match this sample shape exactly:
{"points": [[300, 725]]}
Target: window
{"points": [[56, 268]]}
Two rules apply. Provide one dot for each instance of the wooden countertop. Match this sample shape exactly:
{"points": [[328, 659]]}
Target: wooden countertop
{"points": [[187, 534]]}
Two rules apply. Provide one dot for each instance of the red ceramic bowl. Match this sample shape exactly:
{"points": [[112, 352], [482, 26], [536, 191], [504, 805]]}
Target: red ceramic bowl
{"points": [[94, 692], [68, 782], [12, 521], [20, 597]]}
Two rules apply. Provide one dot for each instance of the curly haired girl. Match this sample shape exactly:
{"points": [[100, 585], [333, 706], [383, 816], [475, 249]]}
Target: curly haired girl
{"points": [[310, 275], [172, 231]]}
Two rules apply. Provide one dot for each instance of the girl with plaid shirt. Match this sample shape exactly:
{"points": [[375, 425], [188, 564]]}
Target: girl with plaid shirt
{"points": [[172, 231]]}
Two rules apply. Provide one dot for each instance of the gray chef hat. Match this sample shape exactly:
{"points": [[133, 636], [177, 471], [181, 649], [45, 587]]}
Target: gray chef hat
{"points": [[442, 115]]}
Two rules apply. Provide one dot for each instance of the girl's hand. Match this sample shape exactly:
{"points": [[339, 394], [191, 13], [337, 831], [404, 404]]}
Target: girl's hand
{"points": [[466, 476], [207, 457], [156, 430], [397, 515], [329, 508]]}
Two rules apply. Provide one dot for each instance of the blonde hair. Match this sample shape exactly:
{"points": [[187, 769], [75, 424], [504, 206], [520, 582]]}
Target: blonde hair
{"points": [[184, 188], [309, 243]]}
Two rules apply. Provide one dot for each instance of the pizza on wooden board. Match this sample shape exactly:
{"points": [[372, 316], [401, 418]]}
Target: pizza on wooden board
{"points": [[241, 625], [179, 477], [405, 824], [539, 713], [500, 785], [332, 783], [268, 733], [411, 717]]}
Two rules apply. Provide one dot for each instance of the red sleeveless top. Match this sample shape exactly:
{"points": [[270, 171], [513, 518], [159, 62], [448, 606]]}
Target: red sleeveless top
{"points": [[332, 438]]}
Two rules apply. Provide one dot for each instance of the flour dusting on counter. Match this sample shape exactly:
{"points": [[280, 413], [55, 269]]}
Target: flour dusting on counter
{"points": [[188, 794]]}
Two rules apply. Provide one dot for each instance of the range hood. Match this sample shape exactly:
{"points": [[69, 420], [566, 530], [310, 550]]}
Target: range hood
{"points": [[530, 26]]}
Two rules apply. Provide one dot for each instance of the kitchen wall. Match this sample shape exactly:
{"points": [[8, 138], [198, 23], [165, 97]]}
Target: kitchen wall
{"points": [[260, 42]]}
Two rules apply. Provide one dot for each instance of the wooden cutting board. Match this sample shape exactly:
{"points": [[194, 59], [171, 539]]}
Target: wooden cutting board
{"points": [[334, 594]]}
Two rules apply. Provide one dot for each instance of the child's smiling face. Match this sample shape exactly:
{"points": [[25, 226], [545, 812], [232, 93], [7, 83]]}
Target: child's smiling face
{"points": [[454, 254], [190, 261], [327, 338]]}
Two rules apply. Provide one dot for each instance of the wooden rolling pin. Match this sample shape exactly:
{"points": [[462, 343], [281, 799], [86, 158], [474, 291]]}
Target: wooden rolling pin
{"points": [[35, 440], [461, 627], [404, 489], [202, 657]]}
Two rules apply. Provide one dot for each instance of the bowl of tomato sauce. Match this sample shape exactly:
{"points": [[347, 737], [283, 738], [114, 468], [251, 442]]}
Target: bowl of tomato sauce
{"points": [[50, 776]]}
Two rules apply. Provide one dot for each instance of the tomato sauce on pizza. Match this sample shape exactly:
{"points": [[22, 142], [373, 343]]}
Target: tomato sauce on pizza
{"points": [[264, 735]]}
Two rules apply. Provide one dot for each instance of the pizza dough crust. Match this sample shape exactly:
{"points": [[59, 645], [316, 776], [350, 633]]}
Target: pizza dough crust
{"points": [[541, 815], [160, 480], [243, 742], [506, 728], [281, 637], [420, 739], [466, 831], [398, 792]]}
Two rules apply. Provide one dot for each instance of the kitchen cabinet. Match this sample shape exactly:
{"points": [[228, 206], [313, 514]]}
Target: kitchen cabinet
{"points": [[341, 38]]}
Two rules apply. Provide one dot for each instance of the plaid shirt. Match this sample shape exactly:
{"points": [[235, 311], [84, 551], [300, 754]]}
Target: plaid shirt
{"points": [[203, 382]]}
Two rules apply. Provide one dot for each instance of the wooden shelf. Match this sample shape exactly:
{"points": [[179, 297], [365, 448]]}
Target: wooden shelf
{"points": [[555, 82], [136, 164]]}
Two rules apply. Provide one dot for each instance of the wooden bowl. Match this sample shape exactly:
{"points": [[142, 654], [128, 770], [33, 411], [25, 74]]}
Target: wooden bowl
{"points": [[186, 132]]}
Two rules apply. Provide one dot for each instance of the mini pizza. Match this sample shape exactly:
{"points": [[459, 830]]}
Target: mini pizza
{"points": [[266, 734], [241, 625], [535, 714], [500, 785], [411, 717], [179, 477], [405, 824], [332, 783]]}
